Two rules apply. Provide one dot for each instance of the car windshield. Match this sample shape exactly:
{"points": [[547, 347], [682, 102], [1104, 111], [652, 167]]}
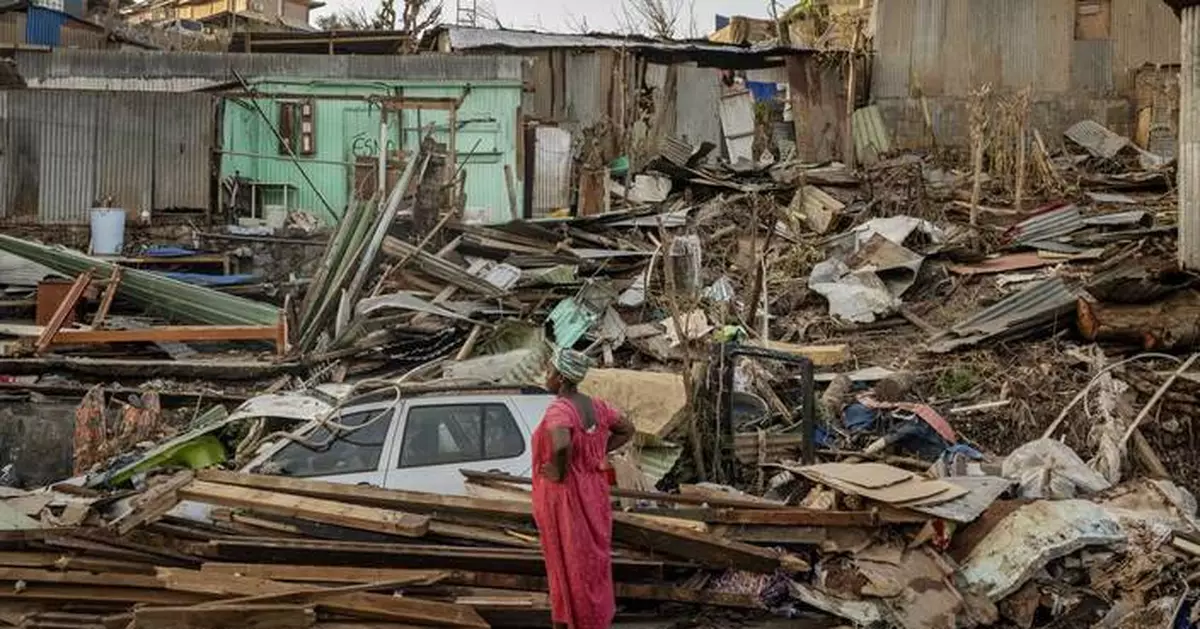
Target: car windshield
{"points": [[328, 451]]}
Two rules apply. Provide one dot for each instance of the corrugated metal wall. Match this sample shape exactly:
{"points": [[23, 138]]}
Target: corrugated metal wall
{"points": [[487, 140], [66, 150], [67, 145], [943, 49], [183, 142], [947, 47], [698, 95]]}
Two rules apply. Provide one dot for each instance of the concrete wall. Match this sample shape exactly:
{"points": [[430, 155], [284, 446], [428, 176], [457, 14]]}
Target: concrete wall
{"points": [[1078, 64], [37, 439]]}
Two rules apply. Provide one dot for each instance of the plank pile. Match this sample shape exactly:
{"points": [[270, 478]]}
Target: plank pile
{"points": [[284, 552]]}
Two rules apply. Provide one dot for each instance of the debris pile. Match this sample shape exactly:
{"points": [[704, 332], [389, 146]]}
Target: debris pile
{"points": [[908, 395]]}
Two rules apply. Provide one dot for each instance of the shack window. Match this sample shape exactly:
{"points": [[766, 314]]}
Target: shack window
{"points": [[1092, 19], [297, 127]]}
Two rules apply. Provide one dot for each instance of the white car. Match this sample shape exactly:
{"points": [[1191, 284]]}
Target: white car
{"points": [[417, 442]]}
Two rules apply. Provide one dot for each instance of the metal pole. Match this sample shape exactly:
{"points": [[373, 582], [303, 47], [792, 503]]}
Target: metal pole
{"points": [[285, 144], [383, 137], [1189, 139]]}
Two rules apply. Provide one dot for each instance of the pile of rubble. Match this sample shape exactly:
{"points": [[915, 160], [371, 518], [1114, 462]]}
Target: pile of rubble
{"points": [[881, 361]]}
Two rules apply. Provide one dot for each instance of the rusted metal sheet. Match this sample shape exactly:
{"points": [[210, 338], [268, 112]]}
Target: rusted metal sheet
{"points": [[988, 50], [12, 28], [67, 137], [1054, 18], [1142, 33], [737, 124], [589, 77], [1019, 44], [551, 171], [819, 106], [1189, 142], [893, 48], [697, 92], [183, 143], [1092, 66], [125, 150], [929, 34]]}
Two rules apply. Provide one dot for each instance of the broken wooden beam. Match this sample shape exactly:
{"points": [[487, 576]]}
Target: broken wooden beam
{"points": [[345, 574], [248, 616], [796, 517], [412, 556], [708, 550], [412, 501], [64, 309], [1170, 324], [312, 509], [168, 334], [358, 604]]}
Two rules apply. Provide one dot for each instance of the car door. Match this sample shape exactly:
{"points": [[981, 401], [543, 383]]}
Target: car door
{"points": [[353, 447], [441, 436]]}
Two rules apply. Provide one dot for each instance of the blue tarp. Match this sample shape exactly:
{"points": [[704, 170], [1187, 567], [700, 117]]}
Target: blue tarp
{"points": [[722, 21], [167, 251], [200, 279], [762, 91]]}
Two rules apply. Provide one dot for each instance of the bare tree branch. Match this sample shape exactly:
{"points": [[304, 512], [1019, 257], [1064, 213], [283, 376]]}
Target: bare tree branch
{"points": [[414, 18], [577, 23], [659, 18]]}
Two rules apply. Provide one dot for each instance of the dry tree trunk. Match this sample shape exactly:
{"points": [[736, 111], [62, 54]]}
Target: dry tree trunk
{"points": [[1173, 323]]}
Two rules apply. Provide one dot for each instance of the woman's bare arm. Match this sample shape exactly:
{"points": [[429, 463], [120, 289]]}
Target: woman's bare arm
{"points": [[560, 455], [620, 433]]}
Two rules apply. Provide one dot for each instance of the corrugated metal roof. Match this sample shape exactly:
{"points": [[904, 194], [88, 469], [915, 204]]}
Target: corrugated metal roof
{"points": [[468, 38], [1035, 306], [219, 67], [1047, 226], [104, 84]]}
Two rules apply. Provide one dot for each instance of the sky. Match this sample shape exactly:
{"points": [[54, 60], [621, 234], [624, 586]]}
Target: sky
{"points": [[600, 15]]}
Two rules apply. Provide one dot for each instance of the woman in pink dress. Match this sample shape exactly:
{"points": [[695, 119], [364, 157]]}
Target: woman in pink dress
{"points": [[570, 496]]}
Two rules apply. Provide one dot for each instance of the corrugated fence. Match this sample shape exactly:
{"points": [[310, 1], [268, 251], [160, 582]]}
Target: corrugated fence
{"points": [[65, 150]]}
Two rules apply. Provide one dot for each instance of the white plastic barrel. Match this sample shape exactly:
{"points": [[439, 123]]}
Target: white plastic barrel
{"points": [[108, 231]]}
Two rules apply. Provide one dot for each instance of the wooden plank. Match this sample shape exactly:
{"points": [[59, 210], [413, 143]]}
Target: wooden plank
{"points": [[413, 501], [795, 517], [63, 310], [617, 492], [168, 334], [110, 293], [866, 475], [820, 355], [240, 616], [401, 609], [60, 561], [34, 575], [323, 574], [94, 594], [708, 550], [313, 509], [331, 574], [362, 554], [152, 504]]}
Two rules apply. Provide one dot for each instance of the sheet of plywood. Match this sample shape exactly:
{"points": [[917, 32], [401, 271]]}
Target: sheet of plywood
{"points": [[312, 509], [652, 401], [867, 475], [909, 491]]}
